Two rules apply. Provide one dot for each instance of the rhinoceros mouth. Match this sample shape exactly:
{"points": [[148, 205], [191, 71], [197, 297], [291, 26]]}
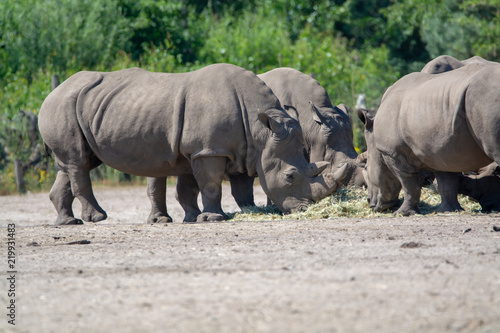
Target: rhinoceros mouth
{"points": [[299, 208], [294, 206]]}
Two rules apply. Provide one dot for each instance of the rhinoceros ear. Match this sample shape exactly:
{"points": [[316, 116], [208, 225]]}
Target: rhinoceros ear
{"points": [[366, 117], [342, 107], [317, 116], [292, 111], [269, 122], [314, 169]]}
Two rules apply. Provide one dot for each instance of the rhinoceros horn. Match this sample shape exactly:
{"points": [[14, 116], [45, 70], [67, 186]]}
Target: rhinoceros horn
{"points": [[314, 169], [328, 183]]}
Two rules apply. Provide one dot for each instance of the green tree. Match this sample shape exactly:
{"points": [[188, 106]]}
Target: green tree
{"points": [[447, 31], [60, 34], [403, 35], [19, 139], [159, 23], [255, 40], [477, 26]]}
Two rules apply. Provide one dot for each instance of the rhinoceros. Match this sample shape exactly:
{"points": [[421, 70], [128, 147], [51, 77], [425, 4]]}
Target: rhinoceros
{"points": [[447, 123], [483, 187], [326, 128], [446, 63], [205, 124]]}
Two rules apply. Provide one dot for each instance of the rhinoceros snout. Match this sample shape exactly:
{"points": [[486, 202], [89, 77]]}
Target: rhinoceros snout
{"points": [[325, 184], [299, 208], [372, 204], [294, 205]]}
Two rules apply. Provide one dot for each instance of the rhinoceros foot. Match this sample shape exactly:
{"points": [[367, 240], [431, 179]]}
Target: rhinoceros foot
{"points": [[446, 207], [381, 207], [160, 219], [190, 217], [68, 220], [405, 210], [488, 207], [94, 215], [211, 217]]}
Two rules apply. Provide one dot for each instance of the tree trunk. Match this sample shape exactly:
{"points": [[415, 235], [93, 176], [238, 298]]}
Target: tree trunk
{"points": [[18, 169], [55, 81]]}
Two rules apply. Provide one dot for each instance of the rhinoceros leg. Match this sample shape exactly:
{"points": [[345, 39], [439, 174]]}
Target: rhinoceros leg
{"points": [[242, 189], [187, 196], [157, 189], [81, 187], [448, 183], [62, 198], [209, 172], [412, 191], [407, 175]]}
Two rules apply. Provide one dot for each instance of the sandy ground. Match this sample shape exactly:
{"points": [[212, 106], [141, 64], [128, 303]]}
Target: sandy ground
{"points": [[417, 274]]}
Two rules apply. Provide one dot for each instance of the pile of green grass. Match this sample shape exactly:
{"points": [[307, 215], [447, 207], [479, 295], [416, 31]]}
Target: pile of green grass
{"points": [[349, 202]]}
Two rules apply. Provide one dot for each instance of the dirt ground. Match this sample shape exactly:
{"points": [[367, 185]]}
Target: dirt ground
{"points": [[437, 273]]}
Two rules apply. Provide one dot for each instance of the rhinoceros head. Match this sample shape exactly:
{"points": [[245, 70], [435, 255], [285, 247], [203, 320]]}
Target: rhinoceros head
{"points": [[383, 186], [330, 138], [285, 175]]}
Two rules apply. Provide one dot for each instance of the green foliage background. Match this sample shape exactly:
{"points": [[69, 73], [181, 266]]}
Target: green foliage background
{"points": [[351, 47]]}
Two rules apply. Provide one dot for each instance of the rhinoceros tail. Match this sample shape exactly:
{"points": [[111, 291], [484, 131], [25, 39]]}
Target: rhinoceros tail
{"points": [[83, 123]]}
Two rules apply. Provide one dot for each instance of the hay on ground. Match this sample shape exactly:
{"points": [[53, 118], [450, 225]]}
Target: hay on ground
{"points": [[349, 202]]}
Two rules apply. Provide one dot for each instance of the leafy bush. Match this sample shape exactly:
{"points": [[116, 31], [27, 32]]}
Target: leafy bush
{"points": [[18, 110], [463, 29], [255, 40], [61, 35], [351, 47]]}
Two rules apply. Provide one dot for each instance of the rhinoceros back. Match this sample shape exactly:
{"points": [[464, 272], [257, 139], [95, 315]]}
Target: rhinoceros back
{"points": [[221, 117], [428, 113], [132, 116], [152, 123], [293, 87]]}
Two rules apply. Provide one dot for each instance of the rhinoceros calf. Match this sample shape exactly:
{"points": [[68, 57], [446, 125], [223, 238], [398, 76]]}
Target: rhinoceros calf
{"points": [[447, 123], [206, 124]]}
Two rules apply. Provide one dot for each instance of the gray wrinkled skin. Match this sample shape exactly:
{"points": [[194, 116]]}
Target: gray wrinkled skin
{"points": [[447, 123], [441, 64], [446, 63], [484, 187], [326, 128], [205, 125]]}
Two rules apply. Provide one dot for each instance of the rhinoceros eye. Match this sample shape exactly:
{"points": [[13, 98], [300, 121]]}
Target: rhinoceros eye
{"points": [[291, 176], [330, 129]]}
